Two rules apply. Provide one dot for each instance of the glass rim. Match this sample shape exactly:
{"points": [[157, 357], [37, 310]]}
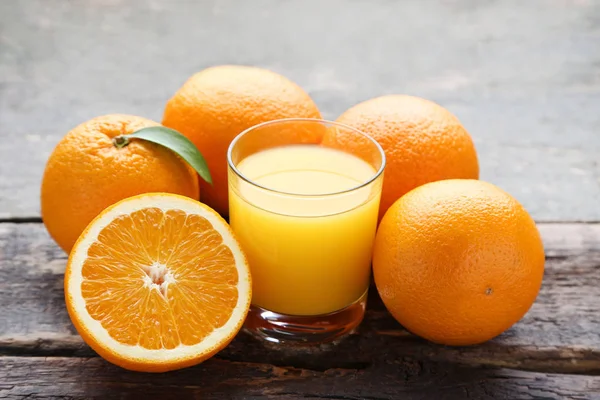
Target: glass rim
{"points": [[313, 120]]}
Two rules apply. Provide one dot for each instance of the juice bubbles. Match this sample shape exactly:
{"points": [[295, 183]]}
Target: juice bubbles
{"points": [[306, 221]]}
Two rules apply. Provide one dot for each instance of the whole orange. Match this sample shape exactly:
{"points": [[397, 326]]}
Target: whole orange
{"points": [[218, 103], [86, 173], [458, 262], [423, 142]]}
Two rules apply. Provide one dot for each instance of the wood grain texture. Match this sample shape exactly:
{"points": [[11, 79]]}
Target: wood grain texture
{"points": [[51, 377], [523, 76], [561, 333]]}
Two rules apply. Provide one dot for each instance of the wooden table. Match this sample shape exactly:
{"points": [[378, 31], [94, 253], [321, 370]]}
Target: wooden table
{"points": [[524, 77]]}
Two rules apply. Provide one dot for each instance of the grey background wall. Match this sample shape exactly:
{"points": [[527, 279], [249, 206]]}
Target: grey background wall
{"points": [[523, 76]]}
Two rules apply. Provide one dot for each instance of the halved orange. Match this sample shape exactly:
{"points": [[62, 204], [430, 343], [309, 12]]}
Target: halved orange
{"points": [[157, 282]]}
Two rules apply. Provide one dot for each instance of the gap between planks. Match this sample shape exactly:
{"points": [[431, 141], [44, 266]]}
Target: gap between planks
{"points": [[561, 333]]}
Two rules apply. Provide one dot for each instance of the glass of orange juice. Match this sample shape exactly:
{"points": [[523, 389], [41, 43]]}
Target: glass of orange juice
{"points": [[304, 202]]}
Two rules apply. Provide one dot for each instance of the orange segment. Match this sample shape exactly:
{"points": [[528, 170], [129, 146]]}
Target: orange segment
{"points": [[157, 282]]}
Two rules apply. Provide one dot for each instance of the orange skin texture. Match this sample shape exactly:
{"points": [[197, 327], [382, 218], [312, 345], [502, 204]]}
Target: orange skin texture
{"points": [[423, 142], [86, 173], [218, 103], [458, 262]]}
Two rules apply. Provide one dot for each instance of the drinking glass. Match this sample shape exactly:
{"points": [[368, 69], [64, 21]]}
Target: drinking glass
{"points": [[304, 202]]}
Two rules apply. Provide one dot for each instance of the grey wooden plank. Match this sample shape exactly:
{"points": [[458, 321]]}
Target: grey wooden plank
{"points": [[561, 333], [25, 377], [524, 77]]}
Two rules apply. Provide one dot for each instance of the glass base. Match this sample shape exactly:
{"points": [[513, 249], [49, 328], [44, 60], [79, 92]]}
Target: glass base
{"points": [[304, 330]]}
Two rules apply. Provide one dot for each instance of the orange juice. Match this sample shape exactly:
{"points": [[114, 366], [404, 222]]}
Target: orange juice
{"points": [[307, 224]]}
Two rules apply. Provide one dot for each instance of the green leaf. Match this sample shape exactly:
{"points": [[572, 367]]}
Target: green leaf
{"points": [[175, 141]]}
